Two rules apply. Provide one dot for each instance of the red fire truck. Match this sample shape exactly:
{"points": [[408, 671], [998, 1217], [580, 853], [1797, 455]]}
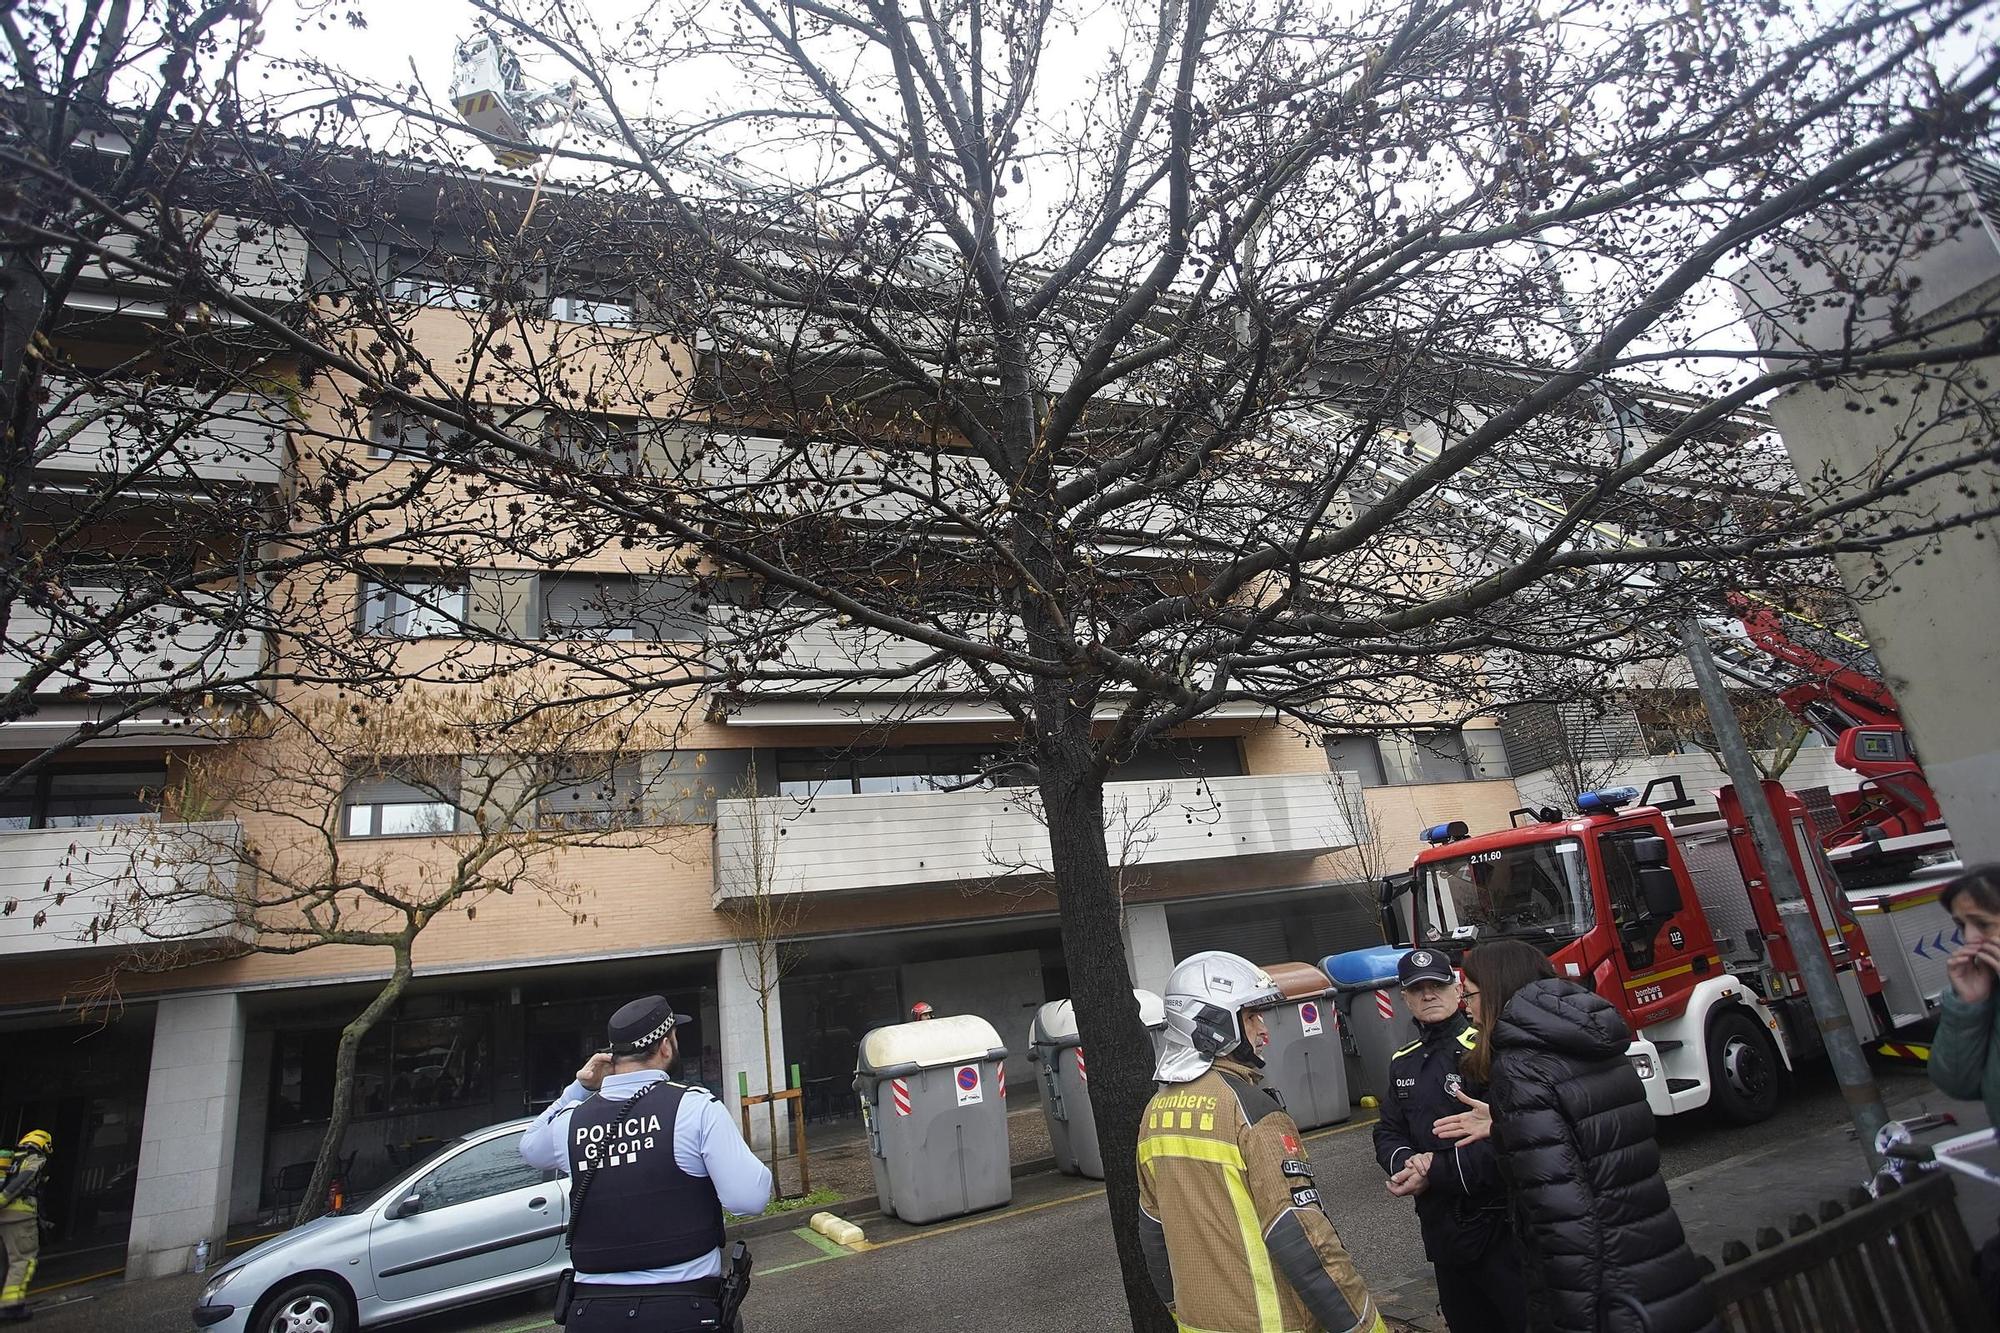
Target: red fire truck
{"points": [[1675, 925]]}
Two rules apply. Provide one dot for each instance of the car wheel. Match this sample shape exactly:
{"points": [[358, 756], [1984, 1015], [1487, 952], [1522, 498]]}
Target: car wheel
{"points": [[1743, 1069], [310, 1306]]}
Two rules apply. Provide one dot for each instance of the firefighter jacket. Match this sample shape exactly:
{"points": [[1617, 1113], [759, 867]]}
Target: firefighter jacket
{"points": [[23, 1191], [1464, 1208], [1235, 1236]]}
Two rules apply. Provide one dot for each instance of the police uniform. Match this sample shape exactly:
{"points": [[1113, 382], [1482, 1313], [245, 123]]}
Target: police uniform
{"points": [[21, 1220], [653, 1164], [1463, 1210]]}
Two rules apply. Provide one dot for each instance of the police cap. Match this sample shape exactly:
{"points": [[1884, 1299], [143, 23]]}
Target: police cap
{"points": [[642, 1025], [1424, 965]]}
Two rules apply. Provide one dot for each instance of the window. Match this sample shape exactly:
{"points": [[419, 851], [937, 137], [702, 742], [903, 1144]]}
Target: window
{"points": [[620, 607], [1537, 892], [413, 607], [432, 280], [423, 800], [590, 306], [590, 793], [406, 1064], [480, 1172], [594, 443], [808, 773], [398, 434], [1410, 758], [1213, 757], [84, 798]]}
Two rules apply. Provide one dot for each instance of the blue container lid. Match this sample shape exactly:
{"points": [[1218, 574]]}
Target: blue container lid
{"points": [[1370, 967]]}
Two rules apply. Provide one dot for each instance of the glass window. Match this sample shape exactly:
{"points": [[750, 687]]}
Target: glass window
{"points": [[620, 607], [84, 797], [424, 279], [594, 443], [1537, 893], [1486, 753], [384, 806], [398, 434], [413, 608], [1441, 757], [586, 306], [480, 1172], [404, 1065], [915, 768], [590, 793], [1210, 757], [1355, 754]]}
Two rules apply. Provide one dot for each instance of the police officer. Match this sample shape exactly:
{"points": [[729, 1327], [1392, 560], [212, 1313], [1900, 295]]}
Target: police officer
{"points": [[21, 1219], [1461, 1201], [654, 1163], [1235, 1236]]}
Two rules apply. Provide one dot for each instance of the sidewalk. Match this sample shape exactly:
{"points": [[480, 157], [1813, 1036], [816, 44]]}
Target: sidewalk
{"points": [[1732, 1199]]}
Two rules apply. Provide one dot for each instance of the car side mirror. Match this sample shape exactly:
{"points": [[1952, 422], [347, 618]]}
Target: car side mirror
{"points": [[1649, 851], [405, 1206], [1661, 892]]}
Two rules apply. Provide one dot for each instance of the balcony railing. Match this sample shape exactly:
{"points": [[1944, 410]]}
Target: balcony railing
{"points": [[73, 890], [259, 261], [161, 434], [200, 641], [867, 842]]}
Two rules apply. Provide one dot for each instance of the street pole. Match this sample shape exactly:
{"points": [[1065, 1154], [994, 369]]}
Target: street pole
{"points": [[1829, 1008]]}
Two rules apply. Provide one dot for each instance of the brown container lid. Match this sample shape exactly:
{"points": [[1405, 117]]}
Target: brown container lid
{"points": [[1298, 981]]}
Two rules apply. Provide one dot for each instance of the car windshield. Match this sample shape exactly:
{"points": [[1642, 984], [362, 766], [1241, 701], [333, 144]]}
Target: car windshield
{"points": [[357, 1202], [1539, 892]]}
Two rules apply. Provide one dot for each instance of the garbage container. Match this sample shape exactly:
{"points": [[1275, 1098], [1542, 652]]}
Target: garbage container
{"points": [[1057, 1052], [1376, 1023], [1305, 1060], [933, 1099]]}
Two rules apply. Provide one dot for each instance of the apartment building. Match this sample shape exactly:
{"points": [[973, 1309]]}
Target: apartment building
{"points": [[905, 862]]}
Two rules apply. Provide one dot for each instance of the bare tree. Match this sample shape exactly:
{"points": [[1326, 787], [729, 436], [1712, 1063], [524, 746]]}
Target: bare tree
{"points": [[1228, 371], [766, 911], [333, 823]]}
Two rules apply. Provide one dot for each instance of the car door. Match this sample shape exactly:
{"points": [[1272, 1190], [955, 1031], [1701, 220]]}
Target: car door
{"points": [[483, 1217]]}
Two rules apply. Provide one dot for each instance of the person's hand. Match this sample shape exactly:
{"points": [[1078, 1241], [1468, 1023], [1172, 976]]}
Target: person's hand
{"points": [[594, 1069], [1971, 969], [1468, 1126], [1411, 1180]]}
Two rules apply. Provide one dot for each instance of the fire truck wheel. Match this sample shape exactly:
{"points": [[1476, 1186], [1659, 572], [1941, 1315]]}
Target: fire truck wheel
{"points": [[1743, 1067]]}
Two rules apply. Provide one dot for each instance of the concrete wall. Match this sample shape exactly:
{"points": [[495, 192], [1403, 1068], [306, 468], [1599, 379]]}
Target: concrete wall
{"points": [[741, 1019], [187, 1150]]}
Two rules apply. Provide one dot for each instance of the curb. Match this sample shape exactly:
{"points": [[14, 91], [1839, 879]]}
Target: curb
{"points": [[857, 1205]]}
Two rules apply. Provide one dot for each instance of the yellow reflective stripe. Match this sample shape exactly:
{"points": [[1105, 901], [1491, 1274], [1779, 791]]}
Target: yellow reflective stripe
{"points": [[1199, 1150], [1469, 1038], [1269, 1318], [1662, 974]]}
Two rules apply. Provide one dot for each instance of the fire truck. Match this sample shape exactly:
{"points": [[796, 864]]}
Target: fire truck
{"points": [[1675, 925]]}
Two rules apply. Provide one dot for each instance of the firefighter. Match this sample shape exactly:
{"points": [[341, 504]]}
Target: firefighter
{"points": [[21, 1220], [1461, 1200], [921, 1012], [1236, 1238]]}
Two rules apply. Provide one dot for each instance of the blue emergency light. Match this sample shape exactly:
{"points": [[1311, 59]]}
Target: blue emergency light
{"points": [[1442, 833], [1604, 802]]}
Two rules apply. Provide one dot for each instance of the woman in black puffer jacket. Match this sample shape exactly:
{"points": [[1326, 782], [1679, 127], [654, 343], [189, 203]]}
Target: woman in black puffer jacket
{"points": [[1576, 1147]]}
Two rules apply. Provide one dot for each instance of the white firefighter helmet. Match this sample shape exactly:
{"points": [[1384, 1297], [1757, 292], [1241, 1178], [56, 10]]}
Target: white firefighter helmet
{"points": [[1204, 999]]}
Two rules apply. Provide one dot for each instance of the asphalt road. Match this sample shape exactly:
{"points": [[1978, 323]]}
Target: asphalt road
{"points": [[1043, 1264]]}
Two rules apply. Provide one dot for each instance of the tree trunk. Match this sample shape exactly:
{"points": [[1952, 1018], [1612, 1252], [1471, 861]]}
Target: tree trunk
{"points": [[344, 1058], [1121, 1059], [764, 970]]}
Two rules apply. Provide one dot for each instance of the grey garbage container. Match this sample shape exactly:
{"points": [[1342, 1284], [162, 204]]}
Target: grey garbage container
{"points": [[933, 1101], [1376, 1023], [1305, 1061], [1057, 1053]]}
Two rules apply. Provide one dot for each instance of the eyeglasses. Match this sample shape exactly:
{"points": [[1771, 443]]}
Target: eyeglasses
{"points": [[1470, 993]]}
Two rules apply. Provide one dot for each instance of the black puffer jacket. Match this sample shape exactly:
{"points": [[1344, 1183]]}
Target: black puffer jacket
{"points": [[1583, 1171]]}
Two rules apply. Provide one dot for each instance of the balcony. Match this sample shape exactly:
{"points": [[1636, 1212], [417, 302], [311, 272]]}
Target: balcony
{"points": [[157, 433], [258, 261], [865, 842], [203, 640], [67, 891]]}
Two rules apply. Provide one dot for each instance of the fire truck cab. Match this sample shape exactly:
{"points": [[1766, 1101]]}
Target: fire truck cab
{"points": [[1676, 926]]}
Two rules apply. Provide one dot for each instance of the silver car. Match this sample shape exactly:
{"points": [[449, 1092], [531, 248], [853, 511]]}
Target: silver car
{"points": [[471, 1221]]}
